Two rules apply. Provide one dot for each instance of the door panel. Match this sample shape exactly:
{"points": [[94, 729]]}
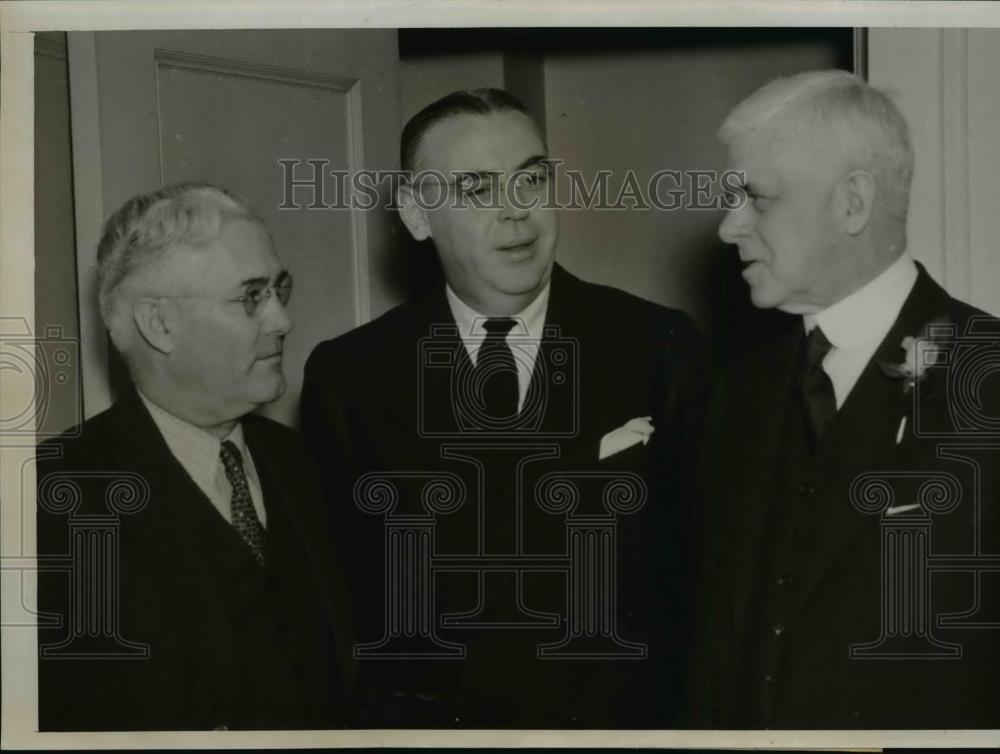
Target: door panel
{"points": [[225, 107]]}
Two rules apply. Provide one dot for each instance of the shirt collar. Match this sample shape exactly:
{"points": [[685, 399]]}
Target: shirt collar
{"points": [[196, 449], [530, 320], [868, 313]]}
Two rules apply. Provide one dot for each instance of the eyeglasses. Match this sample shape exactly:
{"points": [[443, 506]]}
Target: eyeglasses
{"points": [[257, 293], [485, 190]]}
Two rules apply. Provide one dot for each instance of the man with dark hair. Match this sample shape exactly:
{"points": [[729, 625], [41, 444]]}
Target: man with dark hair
{"points": [[851, 571], [179, 535], [517, 444]]}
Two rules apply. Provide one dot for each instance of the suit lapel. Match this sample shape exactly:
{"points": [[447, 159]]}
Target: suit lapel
{"points": [[170, 534], [568, 332], [421, 402], [862, 437]]}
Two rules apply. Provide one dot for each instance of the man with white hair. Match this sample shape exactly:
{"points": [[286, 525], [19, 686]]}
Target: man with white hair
{"points": [[214, 602], [837, 453]]}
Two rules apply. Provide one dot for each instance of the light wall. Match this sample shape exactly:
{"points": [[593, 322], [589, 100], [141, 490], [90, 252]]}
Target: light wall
{"points": [[947, 85]]}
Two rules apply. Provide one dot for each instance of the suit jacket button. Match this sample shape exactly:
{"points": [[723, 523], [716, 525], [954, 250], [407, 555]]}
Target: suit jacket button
{"points": [[221, 727], [778, 629], [769, 679], [784, 580], [807, 489]]}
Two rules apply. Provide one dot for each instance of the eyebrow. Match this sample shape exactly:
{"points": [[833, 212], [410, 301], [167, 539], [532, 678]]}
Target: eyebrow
{"points": [[537, 159], [261, 280]]}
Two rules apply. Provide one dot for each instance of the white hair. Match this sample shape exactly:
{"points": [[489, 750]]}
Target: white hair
{"points": [[842, 107], [148, 226]]}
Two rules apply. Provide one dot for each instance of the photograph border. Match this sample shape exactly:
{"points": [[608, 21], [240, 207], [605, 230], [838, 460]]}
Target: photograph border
{"points": [[17, 481]]}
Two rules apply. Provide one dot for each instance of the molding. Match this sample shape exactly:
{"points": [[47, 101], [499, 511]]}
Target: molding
{"points": [[359, 219], [49, 45], [859, 52], [88, 204], [243, 69], [349, 87]]}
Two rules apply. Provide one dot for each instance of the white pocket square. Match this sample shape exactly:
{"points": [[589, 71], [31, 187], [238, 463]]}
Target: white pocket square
{"points": [[895, 511], [630, 433]]}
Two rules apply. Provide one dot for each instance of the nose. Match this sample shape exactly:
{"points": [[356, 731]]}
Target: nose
{"points": [[513, 207], [276, 317], [736, 224]]}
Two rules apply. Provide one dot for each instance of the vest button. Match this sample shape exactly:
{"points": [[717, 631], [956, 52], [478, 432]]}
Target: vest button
{"points": [[784, 580], [796, 535], [807, 489], [769, 679]]}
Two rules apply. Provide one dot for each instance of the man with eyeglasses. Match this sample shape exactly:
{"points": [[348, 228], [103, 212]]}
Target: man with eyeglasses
{"points": [[213, 602], [474, 407]]}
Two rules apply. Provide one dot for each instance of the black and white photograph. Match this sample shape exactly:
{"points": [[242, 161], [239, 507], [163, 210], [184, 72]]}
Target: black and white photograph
{"points": [[402, 374]]}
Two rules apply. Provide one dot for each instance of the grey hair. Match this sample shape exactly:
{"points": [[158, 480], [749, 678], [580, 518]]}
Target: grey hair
{"points": [[149, 225], [844, 107]]}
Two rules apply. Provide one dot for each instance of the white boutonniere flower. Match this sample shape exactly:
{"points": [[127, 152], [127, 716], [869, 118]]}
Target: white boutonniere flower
{"points": [[920, 353]]}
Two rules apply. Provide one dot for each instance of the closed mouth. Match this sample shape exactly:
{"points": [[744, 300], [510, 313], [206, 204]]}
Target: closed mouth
{"points": [[516, 245]]}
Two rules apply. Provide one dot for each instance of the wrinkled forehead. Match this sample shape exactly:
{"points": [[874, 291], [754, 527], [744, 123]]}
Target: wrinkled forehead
{"points": [[472, 142]]}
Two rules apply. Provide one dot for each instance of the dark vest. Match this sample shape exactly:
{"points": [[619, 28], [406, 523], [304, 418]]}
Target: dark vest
{"points": [[793, 523], [278, 688]]}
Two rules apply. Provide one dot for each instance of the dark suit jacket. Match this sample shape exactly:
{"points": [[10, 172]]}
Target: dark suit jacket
{"points": [[794, 572], [201, 637], [382, 399]]}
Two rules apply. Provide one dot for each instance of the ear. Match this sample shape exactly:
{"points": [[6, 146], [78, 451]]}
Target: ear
{"points": [[155, 323], [857, 200], [414, 215]]}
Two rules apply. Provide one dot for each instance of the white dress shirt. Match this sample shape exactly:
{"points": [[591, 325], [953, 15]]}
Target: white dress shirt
{"points": [[198, 452], [856, 325], [523, 339]]}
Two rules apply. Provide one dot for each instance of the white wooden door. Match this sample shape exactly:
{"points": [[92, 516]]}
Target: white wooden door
{"points": [[157, 107]]}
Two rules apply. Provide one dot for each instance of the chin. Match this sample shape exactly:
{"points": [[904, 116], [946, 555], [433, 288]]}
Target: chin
{"points": [[764, 297], [271, 391], [524, 281]]}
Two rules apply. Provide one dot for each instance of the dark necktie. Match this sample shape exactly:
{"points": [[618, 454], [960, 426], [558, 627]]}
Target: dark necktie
{"points": [[817, 389], [496, 371], [244, 516]]}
